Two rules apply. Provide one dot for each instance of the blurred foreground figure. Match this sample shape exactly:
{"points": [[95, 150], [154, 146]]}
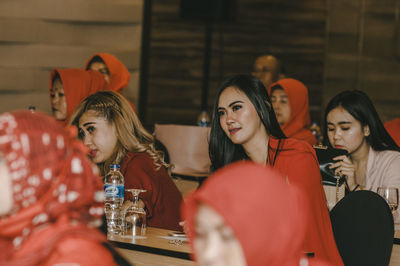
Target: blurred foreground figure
{"points": [[51, 195], [247, 214]]}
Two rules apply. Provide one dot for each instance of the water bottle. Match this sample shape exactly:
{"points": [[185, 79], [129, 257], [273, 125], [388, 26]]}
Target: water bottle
{"points": [[203, 120], [114, 194]]}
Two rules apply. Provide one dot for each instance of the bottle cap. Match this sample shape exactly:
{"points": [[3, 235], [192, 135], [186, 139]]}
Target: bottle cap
{"points": [[113, 166]]}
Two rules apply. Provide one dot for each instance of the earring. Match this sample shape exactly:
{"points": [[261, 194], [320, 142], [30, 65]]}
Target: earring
{"points": [[366, 131]]}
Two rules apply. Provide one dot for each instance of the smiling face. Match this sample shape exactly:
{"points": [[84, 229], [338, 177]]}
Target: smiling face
{"points": [[215, 242], [102, 68], [58, 101], [280, 103], [98, 135], [345, 132], [238, 117]]}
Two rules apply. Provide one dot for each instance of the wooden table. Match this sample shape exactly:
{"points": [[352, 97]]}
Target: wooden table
{"points": [[153, 249]]}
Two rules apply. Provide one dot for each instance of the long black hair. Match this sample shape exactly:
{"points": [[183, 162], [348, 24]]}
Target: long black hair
{"points": [[222, 150], [359, 105]]}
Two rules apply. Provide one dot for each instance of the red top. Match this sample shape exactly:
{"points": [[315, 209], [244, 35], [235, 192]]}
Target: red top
{"points": [[298, 162], [119, 74], [162, 198], [299, 122], [393, 128], [78, 84], [265, 213]]}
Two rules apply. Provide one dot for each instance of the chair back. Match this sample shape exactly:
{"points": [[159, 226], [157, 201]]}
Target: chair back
{"points": [[363, 227], [187, 147]]}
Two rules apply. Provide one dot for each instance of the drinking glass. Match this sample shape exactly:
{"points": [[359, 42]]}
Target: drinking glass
{"points": [[391, 195], [134, 216]]}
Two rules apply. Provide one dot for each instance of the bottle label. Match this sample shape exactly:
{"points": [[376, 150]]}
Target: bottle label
{"points": [[114, 191]]}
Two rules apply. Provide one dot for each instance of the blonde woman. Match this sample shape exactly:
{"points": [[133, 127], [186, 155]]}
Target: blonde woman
{"points": [[109, 127]]}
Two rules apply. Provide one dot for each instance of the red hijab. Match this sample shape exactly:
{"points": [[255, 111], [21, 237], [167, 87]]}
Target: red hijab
{"points": [[265, 213], [299, 122], [78, 84], [119, 74], [54, 184], [393, 128]]}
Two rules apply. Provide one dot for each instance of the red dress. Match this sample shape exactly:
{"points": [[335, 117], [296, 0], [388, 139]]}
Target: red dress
{"points": [[162, 198], [297, 161], [298, 126]]}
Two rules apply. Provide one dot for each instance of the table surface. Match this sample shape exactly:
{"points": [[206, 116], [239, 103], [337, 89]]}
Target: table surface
{"points": [[156, 241], [179, 252]]}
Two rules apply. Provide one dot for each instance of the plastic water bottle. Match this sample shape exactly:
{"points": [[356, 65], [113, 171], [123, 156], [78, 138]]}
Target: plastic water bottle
{"points": [[203, 120], [114, 194]]}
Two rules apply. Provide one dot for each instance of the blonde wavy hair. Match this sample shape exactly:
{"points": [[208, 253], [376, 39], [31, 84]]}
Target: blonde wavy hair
{"points": [[131, 134]]}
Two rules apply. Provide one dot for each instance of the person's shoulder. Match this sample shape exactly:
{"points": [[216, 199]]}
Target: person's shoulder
{"points": [[388, 155], [137, 158], [297, 145]]}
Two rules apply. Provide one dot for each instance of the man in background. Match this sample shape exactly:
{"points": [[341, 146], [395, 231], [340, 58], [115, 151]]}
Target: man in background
{"points": [[268, 69]]}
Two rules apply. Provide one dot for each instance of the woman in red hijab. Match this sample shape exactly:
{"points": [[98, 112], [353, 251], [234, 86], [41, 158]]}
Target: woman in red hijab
{"points": [[114, 71], [244, 127], [246, 214], [68, 87], [51, 195], [289, 98], [393, 128]]}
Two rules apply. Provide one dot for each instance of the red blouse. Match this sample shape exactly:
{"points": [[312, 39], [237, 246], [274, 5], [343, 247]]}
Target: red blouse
{"points": [[297, 161], [162, 198]]}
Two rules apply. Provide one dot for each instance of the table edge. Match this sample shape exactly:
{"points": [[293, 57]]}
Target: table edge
{"points": [[153, 250]]}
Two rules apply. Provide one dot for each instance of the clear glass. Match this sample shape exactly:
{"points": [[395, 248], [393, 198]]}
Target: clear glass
{"points": [[391, 195], [134, 216]]}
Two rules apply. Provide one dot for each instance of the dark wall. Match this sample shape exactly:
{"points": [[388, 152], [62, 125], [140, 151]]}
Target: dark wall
{"points": [[363, 52], [292, 30]]}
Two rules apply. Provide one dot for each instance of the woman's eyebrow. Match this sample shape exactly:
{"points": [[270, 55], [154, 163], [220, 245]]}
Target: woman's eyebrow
{"points": [[235, 102], [88, 123], [340, 123]]}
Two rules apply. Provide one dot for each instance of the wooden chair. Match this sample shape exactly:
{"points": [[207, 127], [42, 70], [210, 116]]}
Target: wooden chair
{"points": [[187, 147]]}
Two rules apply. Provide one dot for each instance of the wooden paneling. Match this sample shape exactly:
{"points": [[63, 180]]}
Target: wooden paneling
{"points": [[52, 32], [74, 10], [293, 30], [362, 52], [50, 56], [37, 36]]}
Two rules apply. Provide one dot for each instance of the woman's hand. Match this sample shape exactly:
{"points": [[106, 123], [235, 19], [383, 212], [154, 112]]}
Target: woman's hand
{"points": [[344, 167]]}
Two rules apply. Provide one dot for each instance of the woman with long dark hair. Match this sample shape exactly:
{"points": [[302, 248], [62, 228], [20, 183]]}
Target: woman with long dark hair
{"points": [[244, 127], [352, 123]]}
